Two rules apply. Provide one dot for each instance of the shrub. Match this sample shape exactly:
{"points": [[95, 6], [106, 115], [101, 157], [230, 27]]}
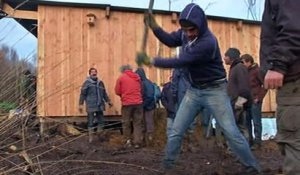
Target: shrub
{"points": [[6, 106]]}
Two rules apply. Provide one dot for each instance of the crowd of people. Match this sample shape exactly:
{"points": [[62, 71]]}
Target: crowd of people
{"points": [[199, 84]]}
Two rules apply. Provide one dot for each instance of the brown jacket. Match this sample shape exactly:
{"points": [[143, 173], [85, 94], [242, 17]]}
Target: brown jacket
{"points": [[256, 83], [280, 38], [238, 81]]}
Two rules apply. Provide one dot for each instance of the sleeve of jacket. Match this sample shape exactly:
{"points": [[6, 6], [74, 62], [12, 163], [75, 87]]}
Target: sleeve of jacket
{"points": [[143, 90], [118, 87], [83, 93], [172, 39], [243, 82], [105, 96], [164, 99], [201, 52], [286, 48], [174, 84], [262, 91]]}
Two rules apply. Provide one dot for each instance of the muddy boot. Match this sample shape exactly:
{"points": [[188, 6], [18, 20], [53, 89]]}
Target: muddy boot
{"points": [[128, 144], [149, 139], [90, 134], [100, 129]]}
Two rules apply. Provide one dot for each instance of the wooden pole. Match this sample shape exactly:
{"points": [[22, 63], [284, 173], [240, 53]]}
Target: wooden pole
{"points": [[146, 29]]}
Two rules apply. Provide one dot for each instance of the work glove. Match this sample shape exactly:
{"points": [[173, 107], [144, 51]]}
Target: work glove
{"points": [[142, 58], [150, 21], [240, 102]]}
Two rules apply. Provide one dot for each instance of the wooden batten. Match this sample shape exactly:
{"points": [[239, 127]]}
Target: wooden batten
{"points": [[107, 12], [174, 17], [23, 14], [68, 47]]}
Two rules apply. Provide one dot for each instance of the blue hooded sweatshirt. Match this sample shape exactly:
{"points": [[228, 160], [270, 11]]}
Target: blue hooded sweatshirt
{"points": [[201, 57], [147, 90]]}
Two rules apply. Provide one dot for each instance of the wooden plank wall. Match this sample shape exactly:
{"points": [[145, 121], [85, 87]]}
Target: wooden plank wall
{"points": [[68, 47]]}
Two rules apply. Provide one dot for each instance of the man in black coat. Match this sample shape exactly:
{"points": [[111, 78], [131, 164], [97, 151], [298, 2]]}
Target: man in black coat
{"points": [[280, 60]]}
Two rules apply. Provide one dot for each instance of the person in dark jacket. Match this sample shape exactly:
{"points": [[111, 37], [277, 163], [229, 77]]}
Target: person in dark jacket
{"points": [[258, 93], [168, 101], [149, 103], [200, 54], [94, 95], [129, 88], [238, 88], [280, 60], [179, 84]]}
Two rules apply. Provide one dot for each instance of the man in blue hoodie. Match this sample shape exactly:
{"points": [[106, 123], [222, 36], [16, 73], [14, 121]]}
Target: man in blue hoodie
{"points": [[201, 56]]}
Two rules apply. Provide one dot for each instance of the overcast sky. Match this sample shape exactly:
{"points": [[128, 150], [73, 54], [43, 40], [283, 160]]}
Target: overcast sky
{"points": [[226, 8], [13, 34]]}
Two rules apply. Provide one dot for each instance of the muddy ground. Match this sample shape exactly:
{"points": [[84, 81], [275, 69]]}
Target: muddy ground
{"points": [[61, 154]]}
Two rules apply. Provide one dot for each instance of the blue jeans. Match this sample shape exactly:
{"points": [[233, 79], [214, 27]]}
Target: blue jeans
{"points": [[254, 114], [216, 101], [170, 122]]}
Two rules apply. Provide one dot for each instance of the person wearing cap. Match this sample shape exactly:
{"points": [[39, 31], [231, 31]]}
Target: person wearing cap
{"points": [[238, 88], [200, 55]]}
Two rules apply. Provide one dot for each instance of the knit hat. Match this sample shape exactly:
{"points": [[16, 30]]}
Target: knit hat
{"points": [[233, 53]]}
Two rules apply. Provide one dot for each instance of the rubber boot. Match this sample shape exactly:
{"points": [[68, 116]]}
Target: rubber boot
{"points": [[90, 134], [99, 129], [150, 137]]}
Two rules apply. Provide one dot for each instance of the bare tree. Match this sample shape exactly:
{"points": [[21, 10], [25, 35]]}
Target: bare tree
{"points": [[253, 9], [11, 71], [192, 1]]}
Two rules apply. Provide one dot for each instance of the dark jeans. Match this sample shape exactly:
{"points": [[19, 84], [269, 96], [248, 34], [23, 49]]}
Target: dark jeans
{"points": [[134, 114], [254, 114], [99, 118]]}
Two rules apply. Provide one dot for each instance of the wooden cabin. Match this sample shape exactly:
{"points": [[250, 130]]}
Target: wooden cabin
{"points": [[74, 37]]}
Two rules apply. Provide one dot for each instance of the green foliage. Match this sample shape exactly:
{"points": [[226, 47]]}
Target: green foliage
{"points": [[6, 106]]}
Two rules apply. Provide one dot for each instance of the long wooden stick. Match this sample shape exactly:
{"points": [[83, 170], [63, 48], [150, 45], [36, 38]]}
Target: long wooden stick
{"points": [[146, 29]]}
